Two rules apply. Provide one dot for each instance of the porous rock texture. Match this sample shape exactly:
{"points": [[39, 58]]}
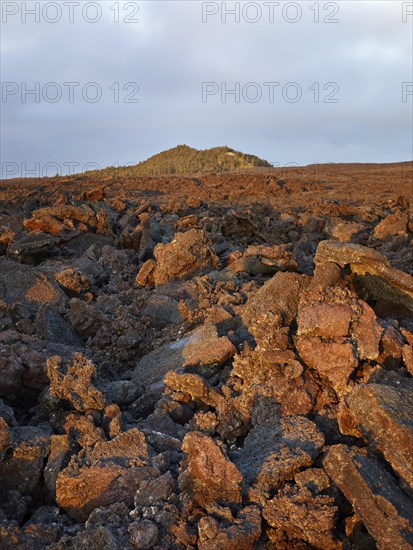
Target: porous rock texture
{"points": [[221, 362]]}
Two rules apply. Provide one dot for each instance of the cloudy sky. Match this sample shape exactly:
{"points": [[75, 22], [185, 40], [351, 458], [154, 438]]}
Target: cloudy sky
{"points": [[114, 82]]}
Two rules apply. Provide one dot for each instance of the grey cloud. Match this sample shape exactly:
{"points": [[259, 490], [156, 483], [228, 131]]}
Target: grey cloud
{"points": [[171, 52]]}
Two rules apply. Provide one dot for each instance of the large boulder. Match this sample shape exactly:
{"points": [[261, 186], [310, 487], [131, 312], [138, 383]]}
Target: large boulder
{"points": [[384, 414], [335, 331], [208, 476], [21, 284], [374, 494], [109, 472], [188, 254], [200, 348], [22, 468], [377, 280]]}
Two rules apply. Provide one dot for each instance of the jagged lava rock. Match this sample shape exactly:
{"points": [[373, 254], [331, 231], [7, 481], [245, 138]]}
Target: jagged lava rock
{"points": [[372, 491], [187, 254], [50, 326], [304, 511], [276, 374], [109, 472], [28, 247], [201, 347], [392, 225], [72, 280], [22, 469], [385, 415], [71, 381], [344, 231], [265, 260], [46, 224], [209, 477], [278, 296], [20, 284], [143, 535], [335, 331], [380, 280], [407, 353], [275, 450], [243, 533]]}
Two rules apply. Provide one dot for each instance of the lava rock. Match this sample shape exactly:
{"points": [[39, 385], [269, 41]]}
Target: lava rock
{"points": [[373, 492]]}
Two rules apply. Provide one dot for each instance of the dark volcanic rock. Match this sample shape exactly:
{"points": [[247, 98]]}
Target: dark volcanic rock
{"points": [[11, 376], [201, 347], [243, 533], [50, 326], [34, 247], [275, 450], [109, 472], [22, 469], [20, 284]]}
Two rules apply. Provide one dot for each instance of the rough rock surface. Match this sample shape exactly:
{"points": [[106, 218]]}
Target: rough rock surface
{"points": [[202, 347], [216, 362], [274, 451], [380, 281], [209, 476], [187, 254], [304, 509], [384, 509], [72, 382], [380, 410], [335, 331], [107, 473]]}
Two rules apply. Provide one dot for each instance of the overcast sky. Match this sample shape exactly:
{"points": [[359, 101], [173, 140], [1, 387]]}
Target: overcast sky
{"points": [[311, 81]]}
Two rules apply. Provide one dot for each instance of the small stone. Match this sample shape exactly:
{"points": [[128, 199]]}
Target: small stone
{"points": [[71, 381], [143, 535], [123, 392], [407, 352]]}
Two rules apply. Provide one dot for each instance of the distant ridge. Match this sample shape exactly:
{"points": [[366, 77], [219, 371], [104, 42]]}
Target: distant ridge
{"points": [[187, 160]]}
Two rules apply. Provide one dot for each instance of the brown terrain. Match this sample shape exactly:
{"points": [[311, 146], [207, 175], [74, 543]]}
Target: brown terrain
{"points": [[221, 361]]}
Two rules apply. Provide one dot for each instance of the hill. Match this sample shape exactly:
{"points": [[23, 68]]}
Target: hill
{"points": [[187, 160]]}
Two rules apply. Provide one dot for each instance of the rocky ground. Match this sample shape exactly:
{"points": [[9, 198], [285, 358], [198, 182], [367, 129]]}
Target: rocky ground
{"points": [[220, 362]]}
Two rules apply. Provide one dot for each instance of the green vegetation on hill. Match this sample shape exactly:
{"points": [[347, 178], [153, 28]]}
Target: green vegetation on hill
{"points": [[186, 160]]}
